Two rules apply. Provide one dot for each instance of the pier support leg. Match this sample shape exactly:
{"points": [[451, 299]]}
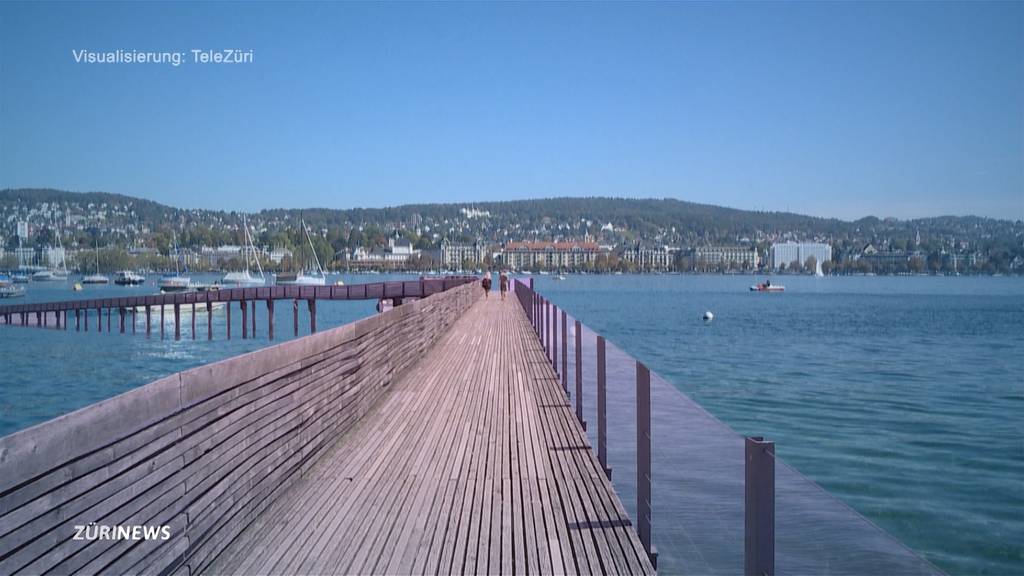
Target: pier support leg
{"points": [[253, 319], [109, 310], [759, 507], [149, 316], [245, 318], [209, 320], [162, 322], [193, 320], [602, 408], [578, 341], [177, 321], [134, 319], [86, 313], [78, 321], [295, 316], [120, 317], [270, 318], [643, 460], [227, 317], [39, 320], [311, 303]]}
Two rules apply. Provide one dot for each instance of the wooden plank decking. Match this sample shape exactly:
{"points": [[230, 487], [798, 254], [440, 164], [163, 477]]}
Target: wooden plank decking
{"points": [[473, 463]]}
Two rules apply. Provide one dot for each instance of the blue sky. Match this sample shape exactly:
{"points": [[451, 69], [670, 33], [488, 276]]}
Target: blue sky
{"points": [[831, 109]]}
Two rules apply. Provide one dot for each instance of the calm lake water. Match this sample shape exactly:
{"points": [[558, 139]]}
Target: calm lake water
{"points": [[902, 396]]}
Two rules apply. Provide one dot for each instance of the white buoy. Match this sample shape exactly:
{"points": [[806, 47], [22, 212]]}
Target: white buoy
{"points": [[708, 316]]}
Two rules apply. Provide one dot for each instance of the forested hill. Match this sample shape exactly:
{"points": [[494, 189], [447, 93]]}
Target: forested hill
{"points": [[666, 221]]}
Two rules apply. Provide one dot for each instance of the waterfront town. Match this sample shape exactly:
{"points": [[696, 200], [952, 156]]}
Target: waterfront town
{"points": [[51, 229]]}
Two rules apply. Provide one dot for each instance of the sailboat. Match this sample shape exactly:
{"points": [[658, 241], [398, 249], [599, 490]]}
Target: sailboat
{"points": [[96, 278], [817, 270], [245, 278], [175, 282], [318, 278], [55, 274]]}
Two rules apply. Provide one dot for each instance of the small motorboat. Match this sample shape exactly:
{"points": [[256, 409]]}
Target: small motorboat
{"points": [[11, 291], [129, 278], [767, 287]]}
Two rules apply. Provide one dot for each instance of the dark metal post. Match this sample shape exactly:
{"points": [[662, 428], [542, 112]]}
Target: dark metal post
{"points": [[578, 340], [311, 303], [162, 321], [270, 318], [253, 319], [602, 408], [193, 320], [759, 508], [227, 317], [78, 321], [86, 311], [209, 320], [99, 319], [120, 315], [295, 317], [148, 318], [108, 320], [177, 321], [554, 339], [565, 352], [245, 318], [643, 460]]}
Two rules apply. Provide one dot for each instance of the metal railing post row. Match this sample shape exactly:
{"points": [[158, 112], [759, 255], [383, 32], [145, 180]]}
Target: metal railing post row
{"points": [[759, 507], [602, 407], [643, 460], [578, 341]]}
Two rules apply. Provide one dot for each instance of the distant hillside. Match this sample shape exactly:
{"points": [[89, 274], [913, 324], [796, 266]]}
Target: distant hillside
{"points": [[650, 221]]}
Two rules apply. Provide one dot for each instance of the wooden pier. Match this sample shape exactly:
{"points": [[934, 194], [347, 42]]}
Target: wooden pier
{"points": [[432, 438], [61, 315], [474, 464]]}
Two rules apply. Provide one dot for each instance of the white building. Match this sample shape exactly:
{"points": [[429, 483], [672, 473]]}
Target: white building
{"points": [[790, 252]]}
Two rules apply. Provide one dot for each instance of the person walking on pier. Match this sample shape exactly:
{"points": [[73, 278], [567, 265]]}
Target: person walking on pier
{"points": [[486, 283], [503, 283]]}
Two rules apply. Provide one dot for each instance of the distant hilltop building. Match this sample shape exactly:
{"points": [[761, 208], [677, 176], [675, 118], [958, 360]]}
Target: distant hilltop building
{"points": [[789, 252], [742, 257], [549, 255], [453, 255], [474, 213]]}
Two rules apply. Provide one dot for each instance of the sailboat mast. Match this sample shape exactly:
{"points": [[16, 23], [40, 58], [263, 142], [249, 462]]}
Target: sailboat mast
{"points": [[313, 250]]}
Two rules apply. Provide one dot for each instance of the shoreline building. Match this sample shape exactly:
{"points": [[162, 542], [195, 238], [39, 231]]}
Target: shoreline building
{"points": [[396, 254], [549, 255], [789, 252], [661, 258], [453, 255], [743, 257]]}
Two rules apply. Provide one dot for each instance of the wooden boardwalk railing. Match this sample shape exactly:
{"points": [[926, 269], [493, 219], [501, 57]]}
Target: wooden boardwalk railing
{"points": [[202, 452]]}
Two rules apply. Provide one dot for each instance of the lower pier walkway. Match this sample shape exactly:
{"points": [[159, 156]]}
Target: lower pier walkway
{"points": [[474, 462]]}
